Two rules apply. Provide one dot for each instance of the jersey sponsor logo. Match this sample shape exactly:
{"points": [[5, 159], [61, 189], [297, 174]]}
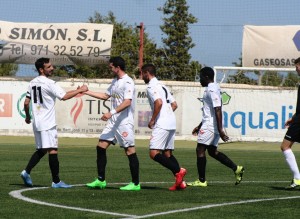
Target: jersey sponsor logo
{"points": [[124, 134], [5, 105], [116, 96]]}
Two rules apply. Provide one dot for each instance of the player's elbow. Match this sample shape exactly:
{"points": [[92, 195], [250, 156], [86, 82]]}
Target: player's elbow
{"points": [[174, 106], [64, 98]]}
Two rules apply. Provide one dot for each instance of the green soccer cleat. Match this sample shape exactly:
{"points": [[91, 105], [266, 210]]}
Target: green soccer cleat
{"points": [[131, 187], [97, 184], [198, 183], [239, 174], [295, 183]]}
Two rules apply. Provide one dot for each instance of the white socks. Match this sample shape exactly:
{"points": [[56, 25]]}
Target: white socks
{"points": [[292, 163]]}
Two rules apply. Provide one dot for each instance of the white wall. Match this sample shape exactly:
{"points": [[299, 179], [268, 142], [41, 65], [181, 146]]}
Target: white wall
{"points": [[253, 113]]}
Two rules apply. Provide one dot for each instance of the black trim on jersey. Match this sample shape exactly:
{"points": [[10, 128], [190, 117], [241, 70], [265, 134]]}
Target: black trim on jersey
{"points": [[298, 102], [168, 101]]}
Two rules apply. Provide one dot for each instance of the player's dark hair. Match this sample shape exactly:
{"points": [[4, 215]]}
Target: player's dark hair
{"points": [[40, 63], [208, 71], [149, 68], [118, 61], [297, 61]]}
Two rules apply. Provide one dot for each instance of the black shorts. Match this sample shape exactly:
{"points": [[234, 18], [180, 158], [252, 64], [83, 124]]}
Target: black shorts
{"points": [[293, 132]]}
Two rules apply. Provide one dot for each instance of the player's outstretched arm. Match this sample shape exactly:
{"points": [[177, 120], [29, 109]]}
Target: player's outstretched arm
{"points": [[73, 93], [98, 95]]}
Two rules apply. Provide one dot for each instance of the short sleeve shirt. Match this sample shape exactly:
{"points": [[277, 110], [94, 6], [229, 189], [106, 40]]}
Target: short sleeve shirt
{"points": [[43, 92], [119, 90], [211, 99], [166, 118]]}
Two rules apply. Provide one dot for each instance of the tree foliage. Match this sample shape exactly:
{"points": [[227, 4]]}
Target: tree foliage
{"points": [[291, 80], [271, 78], [125, 43], [240, 76], [176, 62], [173, 60], [8, 69], [267, 78]]}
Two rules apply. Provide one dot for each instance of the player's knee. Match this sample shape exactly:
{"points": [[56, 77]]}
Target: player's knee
{"points": [[200, 150], [100, 150], [212, 152], [41, 152], [152, 154]]}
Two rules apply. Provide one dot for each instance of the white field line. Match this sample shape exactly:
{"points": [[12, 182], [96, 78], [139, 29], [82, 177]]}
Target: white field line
{"points": [[213, 206], [18, 194]]}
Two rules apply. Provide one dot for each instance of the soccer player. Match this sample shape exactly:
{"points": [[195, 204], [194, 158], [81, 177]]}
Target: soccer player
{"points": [[120, 125], [163, 123], [293, 135], [211, 130], [42, 93]]}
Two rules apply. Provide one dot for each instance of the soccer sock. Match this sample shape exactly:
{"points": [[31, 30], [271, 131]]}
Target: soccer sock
{"points": [[54, 167], [226, 161], [35, 158], [134, 168], [166, 162], [101, 163], [175, 162], [292, 163], [201, 166], [222, 158]]}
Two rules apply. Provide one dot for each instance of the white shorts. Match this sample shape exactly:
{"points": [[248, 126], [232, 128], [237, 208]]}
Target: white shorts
{"points": [[162, 139], [123, 134], [207, 137], [46, 139]]}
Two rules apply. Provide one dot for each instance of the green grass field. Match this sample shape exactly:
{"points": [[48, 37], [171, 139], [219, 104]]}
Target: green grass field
{"points": [[260, 195]]}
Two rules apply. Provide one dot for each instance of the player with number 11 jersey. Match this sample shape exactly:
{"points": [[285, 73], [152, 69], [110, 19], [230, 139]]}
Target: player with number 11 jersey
{"points": [[43, 92]]}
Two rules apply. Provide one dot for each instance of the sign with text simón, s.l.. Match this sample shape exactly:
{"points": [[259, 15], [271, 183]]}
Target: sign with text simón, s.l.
{"points": [[64, 43], [270, 46]]}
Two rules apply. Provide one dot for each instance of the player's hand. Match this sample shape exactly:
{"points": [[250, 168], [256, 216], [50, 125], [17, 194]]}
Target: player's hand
{"points": [[84, 88], [195, 131], [106, 116], [28, 120], [288, 122], [223, 136], [151, 124]]}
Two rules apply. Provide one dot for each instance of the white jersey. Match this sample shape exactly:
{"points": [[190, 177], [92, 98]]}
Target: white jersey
{"points": [[166, 118], [211, 99], [119, 90], [43, 92]]}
